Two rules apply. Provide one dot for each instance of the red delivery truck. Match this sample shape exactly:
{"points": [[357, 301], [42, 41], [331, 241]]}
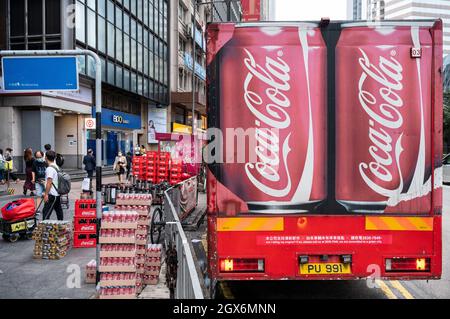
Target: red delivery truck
{"points": [[329, 159]]}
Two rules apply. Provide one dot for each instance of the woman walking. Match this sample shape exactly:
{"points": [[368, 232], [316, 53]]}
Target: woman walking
{"points": [[38, 174], [29, 160], [120, 164]]}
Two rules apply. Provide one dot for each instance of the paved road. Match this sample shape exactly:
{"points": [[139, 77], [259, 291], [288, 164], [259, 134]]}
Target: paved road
{"points": [[352, 289], [21, 276]]}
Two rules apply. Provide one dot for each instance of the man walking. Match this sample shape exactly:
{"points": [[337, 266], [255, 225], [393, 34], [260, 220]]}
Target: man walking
{"points": [[89, 163], [51, 196]]}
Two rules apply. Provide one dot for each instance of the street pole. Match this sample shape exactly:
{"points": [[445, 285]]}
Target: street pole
{"points": [[98, 112], [193, 68]]}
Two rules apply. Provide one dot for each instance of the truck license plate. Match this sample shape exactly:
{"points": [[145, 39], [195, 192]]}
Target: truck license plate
{"points": [[325, 269]]}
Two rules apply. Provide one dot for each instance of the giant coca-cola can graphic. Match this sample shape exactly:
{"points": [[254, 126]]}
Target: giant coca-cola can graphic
{"points": [[383, 118], [272, 88]]}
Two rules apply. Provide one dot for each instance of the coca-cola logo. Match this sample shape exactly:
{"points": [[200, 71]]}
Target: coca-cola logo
{"points": [[382, 105], [270, 110]]}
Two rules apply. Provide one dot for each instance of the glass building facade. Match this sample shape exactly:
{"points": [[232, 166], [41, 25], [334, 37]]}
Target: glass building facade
{"points": [[131, 38], [34, 25]]}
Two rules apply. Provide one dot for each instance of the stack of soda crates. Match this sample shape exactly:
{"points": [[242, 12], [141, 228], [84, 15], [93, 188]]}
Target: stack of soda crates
{"points": [[163, 167], [139, 166], [85, 224], [175, 172], [152, 166]]}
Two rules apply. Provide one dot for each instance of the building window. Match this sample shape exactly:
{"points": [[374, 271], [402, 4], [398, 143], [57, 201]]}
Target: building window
{"points": [[178, 115], [37, 36], [128, 36], [181, 45]]}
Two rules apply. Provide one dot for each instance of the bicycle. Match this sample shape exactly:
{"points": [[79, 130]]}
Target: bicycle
{"points": [[158, 223]]}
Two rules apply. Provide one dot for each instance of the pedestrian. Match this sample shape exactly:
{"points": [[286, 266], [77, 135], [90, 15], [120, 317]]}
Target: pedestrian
{"points": [[143, 150], [59, 157], [38, 174], [89, 163], [29, 160], [47, 147], [2, 168], [10, 166], [129, 160], [120, 163], [51, 197]]}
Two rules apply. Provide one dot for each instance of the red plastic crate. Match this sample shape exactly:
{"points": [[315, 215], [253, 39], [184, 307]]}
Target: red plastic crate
{"points": [[85, 208], [84, 239], [83, 224]]}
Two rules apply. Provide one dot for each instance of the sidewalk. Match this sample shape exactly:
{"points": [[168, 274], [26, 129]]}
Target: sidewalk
{"points": [[21, 276]]}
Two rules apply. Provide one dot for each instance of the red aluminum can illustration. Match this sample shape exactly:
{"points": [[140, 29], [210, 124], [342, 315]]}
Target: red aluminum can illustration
{"points": [[383, 118], [272, 97]]}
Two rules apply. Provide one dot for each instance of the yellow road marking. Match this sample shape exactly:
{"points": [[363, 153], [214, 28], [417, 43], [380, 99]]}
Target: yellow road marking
{"points": [[397, 285], [386, 290]]}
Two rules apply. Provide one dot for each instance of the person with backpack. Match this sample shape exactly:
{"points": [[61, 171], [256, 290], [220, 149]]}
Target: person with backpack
{"points": [[57, 184]]}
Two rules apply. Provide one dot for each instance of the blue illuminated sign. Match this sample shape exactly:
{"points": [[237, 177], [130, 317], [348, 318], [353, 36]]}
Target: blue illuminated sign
{"points": [[40, 73], [119, 119]]}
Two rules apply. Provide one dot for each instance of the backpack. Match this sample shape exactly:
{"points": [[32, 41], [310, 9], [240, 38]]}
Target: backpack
{"points": [[64, 182], [59, 160]]}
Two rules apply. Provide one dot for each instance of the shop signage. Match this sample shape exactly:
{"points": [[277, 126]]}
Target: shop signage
{"points": [[156, 122], [199, 38], [198, 69], [90, 124], [40, 73], [181, 128], [121, 120]]}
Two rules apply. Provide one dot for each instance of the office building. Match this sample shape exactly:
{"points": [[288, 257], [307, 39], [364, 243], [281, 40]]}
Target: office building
{"points": [[183, 68], [357, 9], [421, 9]]}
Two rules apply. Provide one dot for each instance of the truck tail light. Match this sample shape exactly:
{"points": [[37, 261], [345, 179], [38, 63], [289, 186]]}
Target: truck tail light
{"points": [[243, 265], [407, 264]]}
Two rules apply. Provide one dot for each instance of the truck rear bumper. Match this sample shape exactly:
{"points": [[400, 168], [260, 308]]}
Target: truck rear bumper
{"points": [[283, 243]]}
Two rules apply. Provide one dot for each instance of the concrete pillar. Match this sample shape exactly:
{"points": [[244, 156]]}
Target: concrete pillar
{"points": [[38, 128]]}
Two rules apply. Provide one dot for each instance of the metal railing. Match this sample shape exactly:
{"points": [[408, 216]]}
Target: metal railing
{"points": [[187, 280]]}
